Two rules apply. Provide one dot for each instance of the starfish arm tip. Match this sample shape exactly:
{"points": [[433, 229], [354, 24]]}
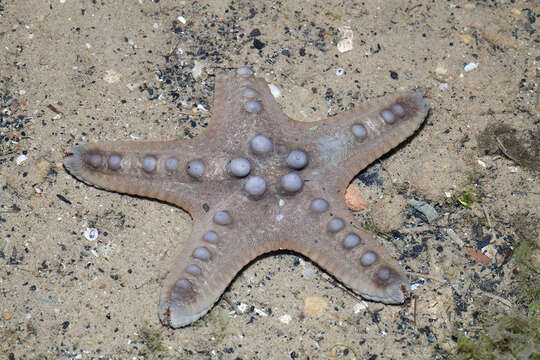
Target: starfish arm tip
{"points": [[174, 315]]}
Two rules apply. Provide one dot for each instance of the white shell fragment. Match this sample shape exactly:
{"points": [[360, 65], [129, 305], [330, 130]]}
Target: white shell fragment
{"points": [[346, 43], [276, 92]]}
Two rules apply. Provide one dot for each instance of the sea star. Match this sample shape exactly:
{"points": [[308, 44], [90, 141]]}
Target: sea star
{"points": [[257, 181]]}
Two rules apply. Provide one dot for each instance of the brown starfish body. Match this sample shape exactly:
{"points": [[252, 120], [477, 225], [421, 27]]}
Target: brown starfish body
{"points": [[257, 181]]}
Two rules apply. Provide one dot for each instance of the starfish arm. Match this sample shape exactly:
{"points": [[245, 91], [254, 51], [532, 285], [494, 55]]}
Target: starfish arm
{"points": [[222, 242], [148, 169], [333, 241], [350, 141]]}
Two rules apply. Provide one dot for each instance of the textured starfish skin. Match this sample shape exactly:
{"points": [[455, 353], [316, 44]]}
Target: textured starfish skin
{"points": [[277, 219]]}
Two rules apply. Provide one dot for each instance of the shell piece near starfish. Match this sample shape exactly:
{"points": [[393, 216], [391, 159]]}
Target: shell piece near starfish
{"points": [[292, 199]]}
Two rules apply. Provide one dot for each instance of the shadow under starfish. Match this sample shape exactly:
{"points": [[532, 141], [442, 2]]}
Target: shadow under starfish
{"points": [[257, 181]]}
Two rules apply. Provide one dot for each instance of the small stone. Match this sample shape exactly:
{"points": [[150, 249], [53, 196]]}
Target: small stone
{"points": [[426, 209], [260, 312], [258, 44], [466, 38], [197, 71], [242, 308], [285, 319], [490, 251], [360, 307], [470, 66], [354, 199], [91, 234], [478, 256], [20, 159]]}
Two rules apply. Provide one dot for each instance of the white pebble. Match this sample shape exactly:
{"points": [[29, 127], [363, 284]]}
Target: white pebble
{"points": [[181, 19], [360, 306], [242, 307], [415, 286], [91, 234], [489, 250], [285, 319], [260, 312], [20, 159], [470, 66]]}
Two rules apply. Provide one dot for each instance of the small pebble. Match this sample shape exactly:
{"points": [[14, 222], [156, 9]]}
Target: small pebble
{"points": [[91, 234], [466, 38], [426, 209], [470, 66], [20, 159], [285, 319], [360, 307]]}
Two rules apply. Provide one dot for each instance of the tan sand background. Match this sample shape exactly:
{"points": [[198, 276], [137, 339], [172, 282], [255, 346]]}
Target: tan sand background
{"points": [[78, 71]]}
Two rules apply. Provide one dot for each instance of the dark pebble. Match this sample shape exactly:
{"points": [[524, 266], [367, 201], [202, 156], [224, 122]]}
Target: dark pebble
{"points": [[258, 44]]}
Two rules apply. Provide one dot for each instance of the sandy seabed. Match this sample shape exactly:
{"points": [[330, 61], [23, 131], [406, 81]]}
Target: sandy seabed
{"points": [[86, 71]]}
